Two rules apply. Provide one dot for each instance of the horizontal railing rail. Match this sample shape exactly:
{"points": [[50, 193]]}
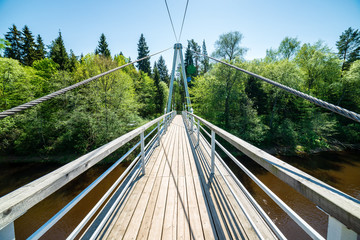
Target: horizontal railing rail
{"points": [[335, 203], [16, 203]]}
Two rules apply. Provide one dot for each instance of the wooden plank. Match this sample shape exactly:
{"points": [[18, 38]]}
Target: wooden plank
{"points": [[196, 231], [170, 219], [148, 215], [183, 213], [124, 217], [206, 220], [158, 216]]}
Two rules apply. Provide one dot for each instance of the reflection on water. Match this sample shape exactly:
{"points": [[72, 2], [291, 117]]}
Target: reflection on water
{"points": [[338, 169]]}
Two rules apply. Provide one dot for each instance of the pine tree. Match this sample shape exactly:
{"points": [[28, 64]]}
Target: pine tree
{"points": [[349, 47], [14, 39], [27, 47], [72, 61], [40, 48], [58, 53], [189, 61], [143, 51], [204, 60], [163, 71], [103, 47]]}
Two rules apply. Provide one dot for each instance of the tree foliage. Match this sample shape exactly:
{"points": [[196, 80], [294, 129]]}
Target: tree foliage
{"points": [[58, 53], [349, 47], [103, 47], [13, 50], [228, 46], [143, 51], [28, 51]]}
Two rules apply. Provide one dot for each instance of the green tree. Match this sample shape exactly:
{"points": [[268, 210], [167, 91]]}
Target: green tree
{"points": [[14, 38], [143, 51], [196, 58], [40, 48], [15, 87], [205, 65], [58, 53], [72, 61], [189, 61], [349, 47], [103, 47], [228, 46], [163, 71], [159, 98], [27, 47], [288, 48], [320, 67]]}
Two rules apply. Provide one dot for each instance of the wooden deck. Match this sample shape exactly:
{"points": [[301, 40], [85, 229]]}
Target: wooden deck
{"points": [[177, 200]]}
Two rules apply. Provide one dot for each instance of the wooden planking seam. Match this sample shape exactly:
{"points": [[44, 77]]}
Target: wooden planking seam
{"points": [[122, 209]]}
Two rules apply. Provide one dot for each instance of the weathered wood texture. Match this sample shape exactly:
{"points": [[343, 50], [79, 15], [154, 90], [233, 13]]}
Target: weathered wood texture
{"points": [[16, 203], [172, 201], [337, 204]]}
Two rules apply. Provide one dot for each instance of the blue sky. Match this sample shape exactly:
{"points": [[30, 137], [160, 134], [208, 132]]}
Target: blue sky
{"points": [[263, 23]]}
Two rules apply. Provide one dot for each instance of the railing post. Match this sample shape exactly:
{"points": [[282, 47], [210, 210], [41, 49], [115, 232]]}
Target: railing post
{"points": [[212, 152], [192, 122], [8, 232], [142, 152], [338, 231], [198, 133], [158, 130]]}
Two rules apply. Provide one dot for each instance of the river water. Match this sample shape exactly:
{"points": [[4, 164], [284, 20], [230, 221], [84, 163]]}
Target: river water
{"points": [[339, 169]]}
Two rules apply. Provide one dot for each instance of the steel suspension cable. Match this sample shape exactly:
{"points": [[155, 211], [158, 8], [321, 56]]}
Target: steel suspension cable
{"points": [[172, 24], [35, 102], [339, 110], [182, 25]]}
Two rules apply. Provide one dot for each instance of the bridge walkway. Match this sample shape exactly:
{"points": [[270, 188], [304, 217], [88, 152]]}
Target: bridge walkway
{"points": [[176, 200]]}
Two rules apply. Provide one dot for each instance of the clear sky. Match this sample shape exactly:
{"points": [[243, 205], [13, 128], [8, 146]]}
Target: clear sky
{"points": [[263, 23]]}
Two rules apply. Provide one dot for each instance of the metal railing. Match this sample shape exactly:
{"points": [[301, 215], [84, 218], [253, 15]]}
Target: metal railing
{"points": [[343, 210], [16, 203]]}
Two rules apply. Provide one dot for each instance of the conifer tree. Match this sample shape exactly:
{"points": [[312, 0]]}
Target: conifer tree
{"points": [[72, 61], [14, 39], [103, 47], [349, 47], [143, 51], [204, 60], [163, 71], [58, 53], [40, 48], [189, 61], [28, 55]]}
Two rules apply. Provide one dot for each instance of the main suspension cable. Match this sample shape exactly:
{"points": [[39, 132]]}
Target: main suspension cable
{"points": [[172, 24], [339, 110], [182, 25], [35, 102]]}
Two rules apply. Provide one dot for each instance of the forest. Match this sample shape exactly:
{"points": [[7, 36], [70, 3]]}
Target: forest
{"points": [[92, 115]]}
